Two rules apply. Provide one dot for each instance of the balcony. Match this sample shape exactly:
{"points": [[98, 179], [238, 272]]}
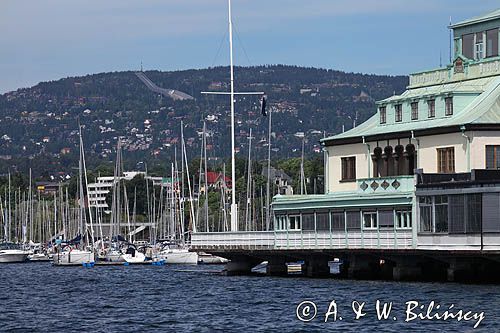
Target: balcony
{"points": [[391, 184], [303, 240]]}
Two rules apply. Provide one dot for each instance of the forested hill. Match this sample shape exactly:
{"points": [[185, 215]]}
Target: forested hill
{"points": [[38, 125]]}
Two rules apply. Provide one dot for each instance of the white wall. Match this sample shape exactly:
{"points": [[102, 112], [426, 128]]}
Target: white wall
{"points": [[426, 155], [334, 167], [478, 151], [427, 152]]}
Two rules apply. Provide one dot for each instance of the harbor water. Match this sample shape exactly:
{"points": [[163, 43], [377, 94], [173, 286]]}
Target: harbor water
{"points": [[36, 297]]}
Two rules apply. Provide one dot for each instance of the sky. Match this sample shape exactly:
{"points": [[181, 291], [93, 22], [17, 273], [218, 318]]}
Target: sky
{"points": [[51, 39]]}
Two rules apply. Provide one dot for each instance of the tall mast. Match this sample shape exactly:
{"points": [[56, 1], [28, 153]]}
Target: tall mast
{"points": [[248, 216], [80, 186], [268, 185], [83, 176], [234, 206]]}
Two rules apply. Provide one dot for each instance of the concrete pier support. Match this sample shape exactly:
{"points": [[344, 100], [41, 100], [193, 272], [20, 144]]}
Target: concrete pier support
{"points": [[317, 267], [406, 271], [241, 266], [363, 267], [276, 267], [459, 271]]}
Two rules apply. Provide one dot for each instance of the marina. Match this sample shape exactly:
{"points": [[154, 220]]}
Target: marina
{"points": [[268, 198]]}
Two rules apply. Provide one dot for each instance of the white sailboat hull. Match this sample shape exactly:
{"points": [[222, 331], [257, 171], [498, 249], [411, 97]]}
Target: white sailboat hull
{"points": [[12, 256], [73, 257], [179, 257]]}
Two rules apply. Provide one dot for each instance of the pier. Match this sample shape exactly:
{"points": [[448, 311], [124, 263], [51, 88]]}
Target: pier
{"points": [[372, 255]]}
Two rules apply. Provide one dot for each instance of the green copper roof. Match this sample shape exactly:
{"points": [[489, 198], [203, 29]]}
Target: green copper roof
{"points": [[478, 19], [340, 200], [484, 109]]}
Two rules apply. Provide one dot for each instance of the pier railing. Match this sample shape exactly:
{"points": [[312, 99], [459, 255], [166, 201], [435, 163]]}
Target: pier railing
{"points": [[282, 240]]}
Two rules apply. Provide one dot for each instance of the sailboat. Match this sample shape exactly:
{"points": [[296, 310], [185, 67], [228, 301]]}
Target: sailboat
{"points": [[10, 252], [177, 252], [77, 252]]}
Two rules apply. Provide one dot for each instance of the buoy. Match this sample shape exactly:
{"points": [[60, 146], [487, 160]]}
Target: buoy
{"points": [[126, 263]]}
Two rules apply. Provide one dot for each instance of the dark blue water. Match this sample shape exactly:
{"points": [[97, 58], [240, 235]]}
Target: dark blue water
{"points": [[37, 297]]}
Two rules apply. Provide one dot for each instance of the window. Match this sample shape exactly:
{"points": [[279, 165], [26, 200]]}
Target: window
{"points": [[348, 168], [322, 222], [386, 219], [492, 157], [398, 112], [474, 204], [431, 108], [280, 222], [441, 213], [448, 103], [492, 43], [468, 46], [338, 221], [465, 213], [308, 222], [490, 209], [446, 160], [370, 220], [294, 222], [425, 207], [478, 47], [414, 110], [403, 219], [383, 115], [353, 220]]}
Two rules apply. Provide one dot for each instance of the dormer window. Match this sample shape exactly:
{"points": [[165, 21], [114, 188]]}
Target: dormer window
{"points": [[468, 46], [448, 106], [398, 112], [431, 108], [492, 43], [478, 47], [383, 114], [414, 110]]}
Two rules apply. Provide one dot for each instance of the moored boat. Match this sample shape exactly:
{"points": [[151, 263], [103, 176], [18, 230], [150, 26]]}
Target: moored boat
{"points": [[12, 253], [178, 256], [73, 257], [210, 259]]}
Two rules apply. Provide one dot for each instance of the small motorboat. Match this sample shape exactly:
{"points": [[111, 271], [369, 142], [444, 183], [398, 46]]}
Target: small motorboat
{"points": [[40, 256], [210, 259], [12, 253], [133, 256]]}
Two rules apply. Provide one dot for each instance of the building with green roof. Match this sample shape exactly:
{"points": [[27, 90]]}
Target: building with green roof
{"points": [[417, 184], [446, 122]]}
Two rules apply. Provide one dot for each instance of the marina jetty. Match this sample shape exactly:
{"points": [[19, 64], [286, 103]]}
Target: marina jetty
{"points": [[413, 193]]}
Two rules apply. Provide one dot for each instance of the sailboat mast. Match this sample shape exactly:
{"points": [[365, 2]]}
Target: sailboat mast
{"points": [[234, 207], [268, 185], [80, 183]]}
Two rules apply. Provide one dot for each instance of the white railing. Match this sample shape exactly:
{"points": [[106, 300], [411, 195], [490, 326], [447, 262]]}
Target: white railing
{"points": [[446, 75], [459, 242], [243, 239], [282, 240]]}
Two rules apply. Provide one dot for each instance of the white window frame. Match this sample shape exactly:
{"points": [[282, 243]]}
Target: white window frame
{"points": [[373, 220], [298, 226], [407, 219]]}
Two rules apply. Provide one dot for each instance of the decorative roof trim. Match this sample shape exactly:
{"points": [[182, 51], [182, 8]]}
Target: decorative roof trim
{"points": [[407, 134]]}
